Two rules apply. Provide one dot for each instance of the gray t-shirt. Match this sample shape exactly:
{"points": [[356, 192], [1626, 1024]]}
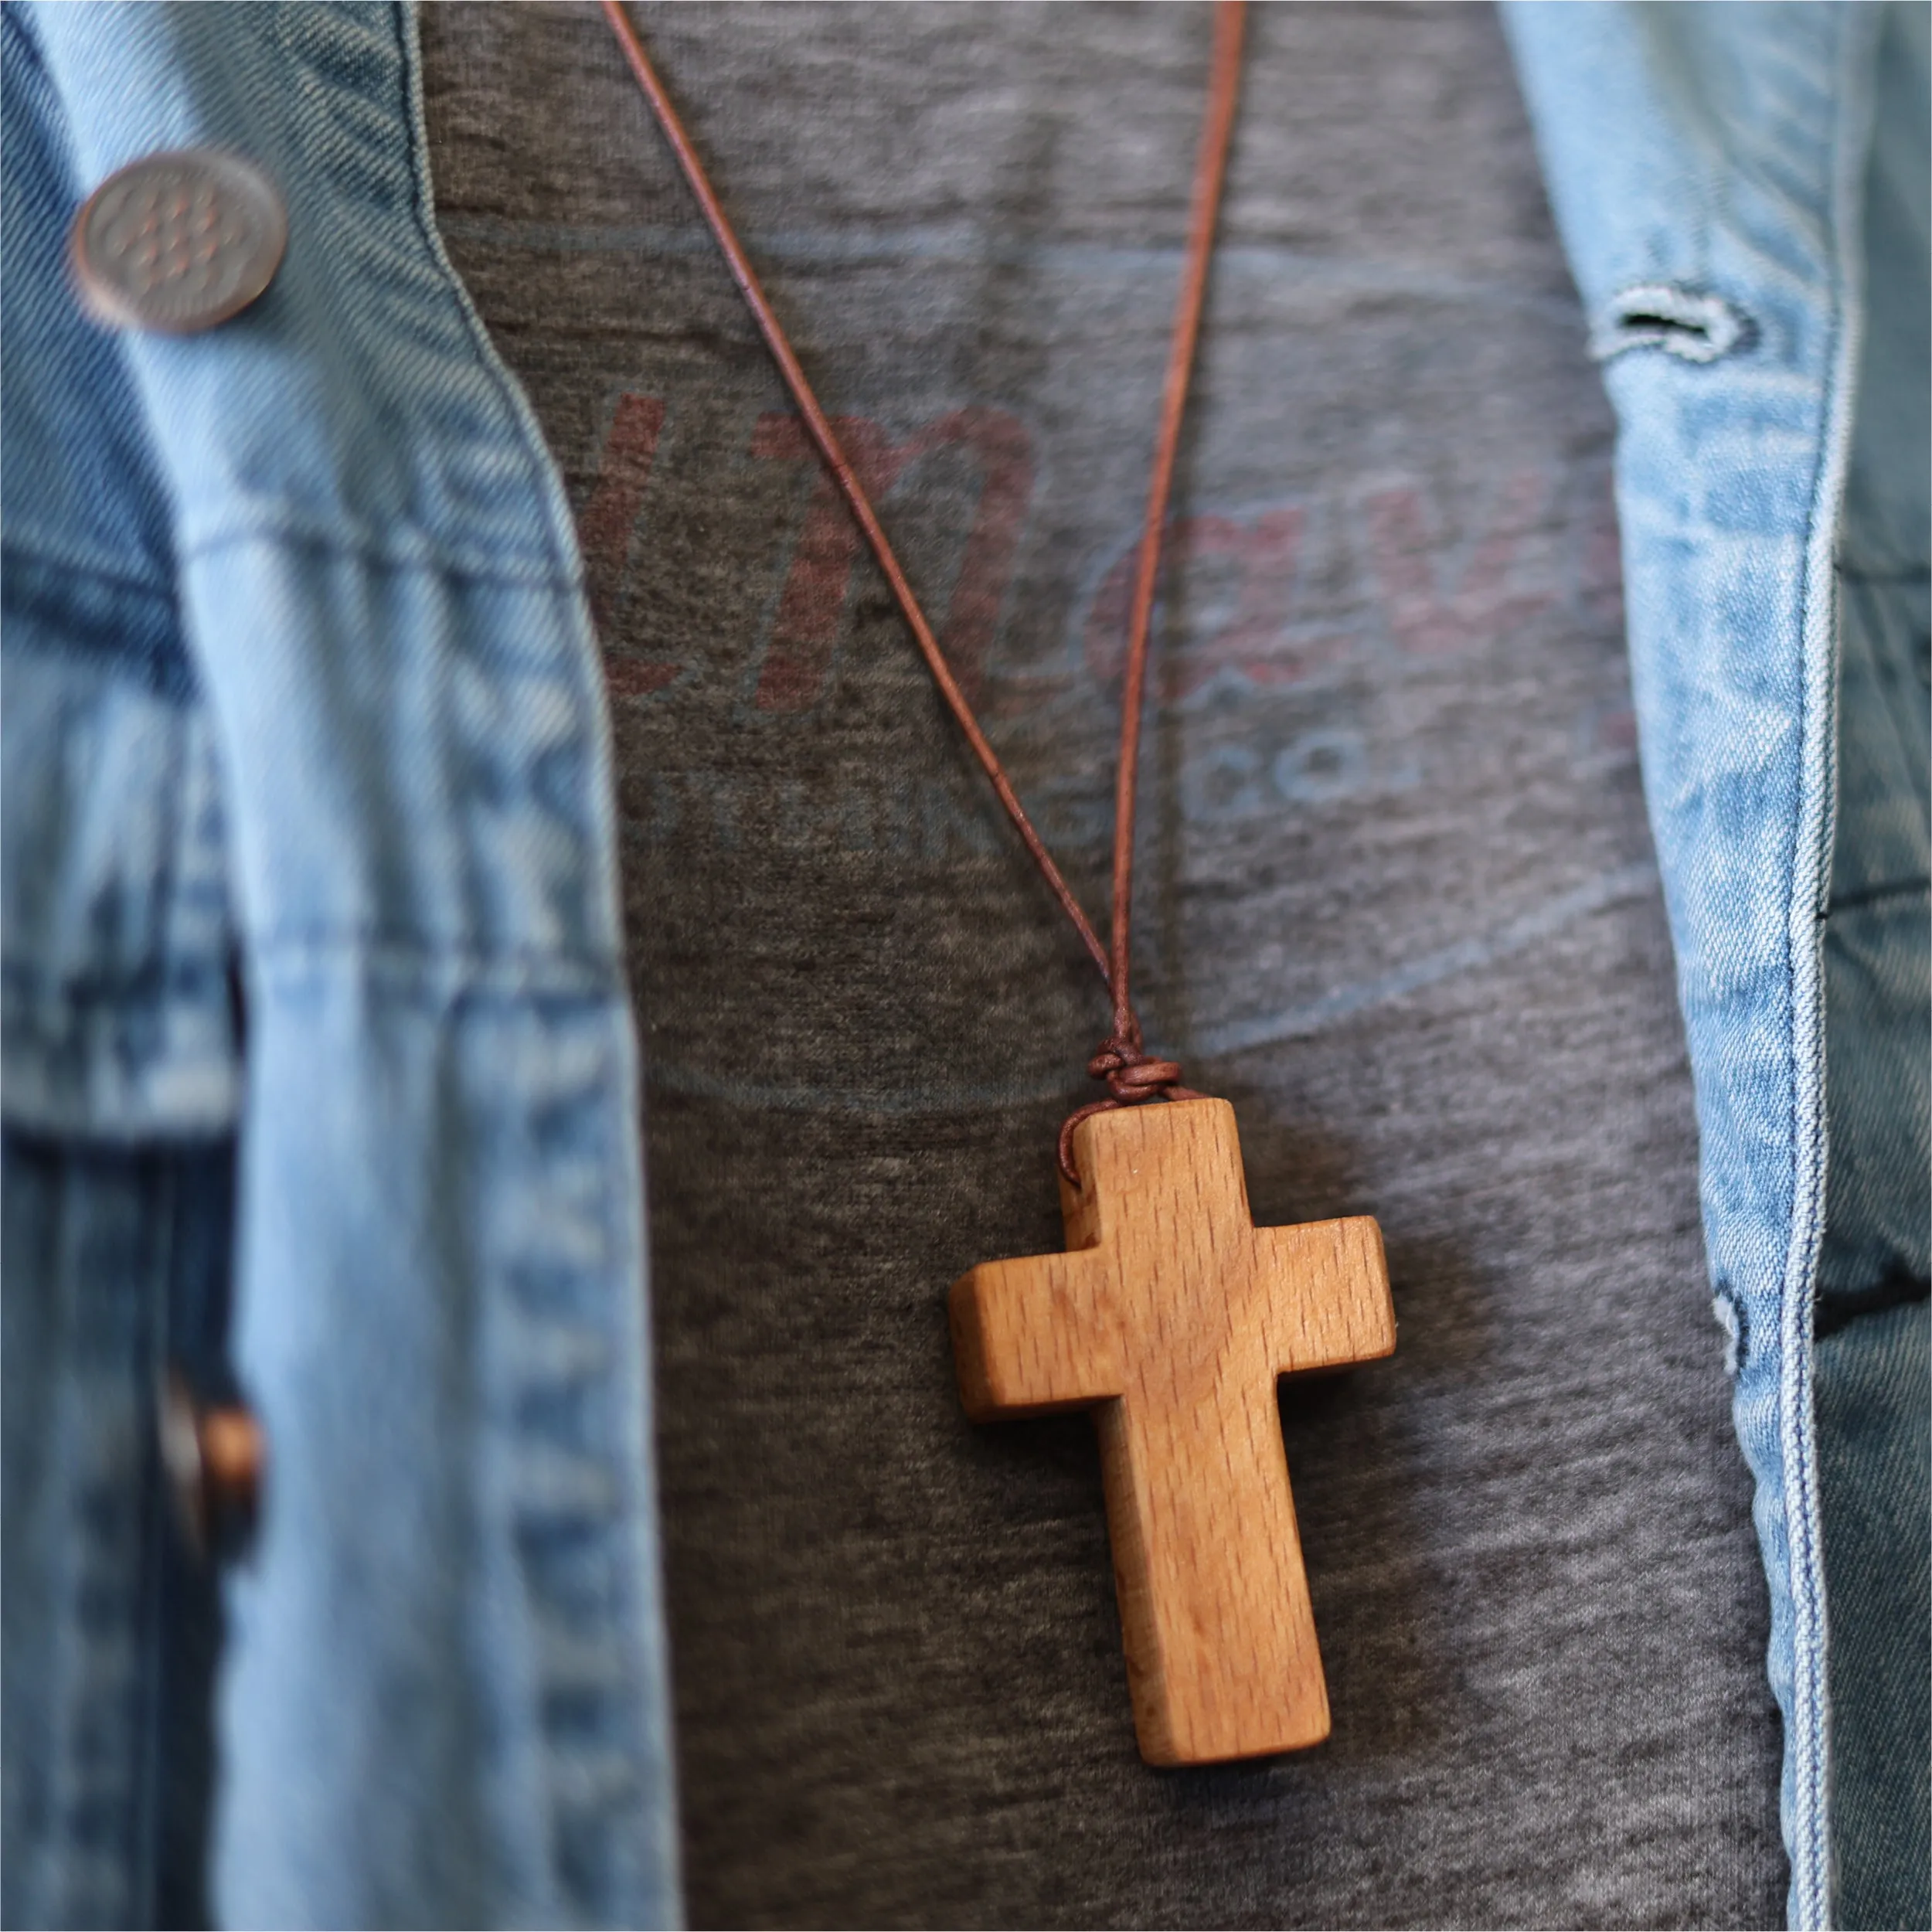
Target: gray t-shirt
{"points": [[1395, 902]]}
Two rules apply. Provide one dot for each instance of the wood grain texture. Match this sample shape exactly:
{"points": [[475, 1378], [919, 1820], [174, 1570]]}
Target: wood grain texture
{"points": [[1174, 1315]]}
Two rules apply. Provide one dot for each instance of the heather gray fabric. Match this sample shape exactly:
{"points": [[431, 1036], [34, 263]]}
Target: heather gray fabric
{"points": [[1396, 904]]}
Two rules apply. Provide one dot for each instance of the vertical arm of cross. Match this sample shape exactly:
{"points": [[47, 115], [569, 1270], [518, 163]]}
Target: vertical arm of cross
{"points": [[1036, 1335]]}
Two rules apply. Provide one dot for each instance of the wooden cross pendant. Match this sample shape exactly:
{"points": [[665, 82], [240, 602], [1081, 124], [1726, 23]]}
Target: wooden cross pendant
{"points": [[1174, 1315]]}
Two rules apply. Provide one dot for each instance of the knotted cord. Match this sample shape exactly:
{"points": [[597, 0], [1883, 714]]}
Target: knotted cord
{"points": [[1131, 1075]]}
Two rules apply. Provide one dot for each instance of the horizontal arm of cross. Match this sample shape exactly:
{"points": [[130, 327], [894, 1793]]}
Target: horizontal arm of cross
{"points": [[1331, 1306], [1036, 1335]]}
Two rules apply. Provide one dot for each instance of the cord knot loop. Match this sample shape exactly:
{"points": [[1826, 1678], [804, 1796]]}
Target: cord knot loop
{"points": [[1132, 1075]]}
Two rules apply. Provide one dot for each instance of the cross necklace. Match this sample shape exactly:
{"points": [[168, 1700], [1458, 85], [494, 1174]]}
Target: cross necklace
{"points": [[1170, 1315]]}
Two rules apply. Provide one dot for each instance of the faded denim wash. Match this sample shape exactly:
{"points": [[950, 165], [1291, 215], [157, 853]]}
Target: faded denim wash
{"points": [[1742, 191], [304, 733]]}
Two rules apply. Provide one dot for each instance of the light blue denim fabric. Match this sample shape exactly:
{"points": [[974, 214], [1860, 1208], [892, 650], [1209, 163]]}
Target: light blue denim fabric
{"points": [[300, 700], [1720, 190]]}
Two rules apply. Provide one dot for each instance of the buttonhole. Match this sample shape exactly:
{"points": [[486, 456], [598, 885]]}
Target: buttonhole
{"points": [[1687, 323], [1730, 1317]]}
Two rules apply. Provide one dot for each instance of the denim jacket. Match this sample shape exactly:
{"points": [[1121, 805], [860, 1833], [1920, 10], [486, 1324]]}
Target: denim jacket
{"points": [[300, 700], [1743, 195], [312, 998]]}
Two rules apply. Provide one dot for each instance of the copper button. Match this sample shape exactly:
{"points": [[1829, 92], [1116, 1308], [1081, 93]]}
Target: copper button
{"points": [[213, 1453], [178, 242]]}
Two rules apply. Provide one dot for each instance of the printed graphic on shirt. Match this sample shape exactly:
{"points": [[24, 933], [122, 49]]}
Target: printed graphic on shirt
{"points": [[1301, 641]]}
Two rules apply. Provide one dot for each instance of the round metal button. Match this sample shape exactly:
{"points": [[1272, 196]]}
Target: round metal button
{"points": [[212, 1454], [178, 242]]}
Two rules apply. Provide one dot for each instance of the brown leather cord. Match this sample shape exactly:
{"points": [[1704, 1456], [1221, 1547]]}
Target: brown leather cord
{"points": [[1131, 1076], [1121, 1061]]}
